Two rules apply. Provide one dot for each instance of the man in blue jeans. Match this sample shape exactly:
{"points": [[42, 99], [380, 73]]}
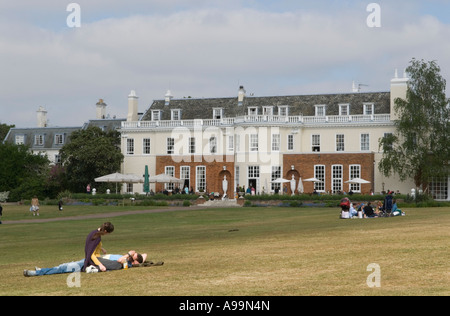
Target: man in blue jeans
{"points": [[114, 261]]}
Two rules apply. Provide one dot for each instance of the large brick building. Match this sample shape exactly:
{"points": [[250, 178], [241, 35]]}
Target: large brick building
{"points": [[255, 140]]}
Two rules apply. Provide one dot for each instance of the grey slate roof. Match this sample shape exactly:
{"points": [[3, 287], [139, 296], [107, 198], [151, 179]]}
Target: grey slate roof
{"points": [[48, 133], [298, 105]]}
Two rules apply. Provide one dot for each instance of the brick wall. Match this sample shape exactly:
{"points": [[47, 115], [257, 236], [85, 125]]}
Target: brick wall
{"points": [[215, 171], [304, 167]]}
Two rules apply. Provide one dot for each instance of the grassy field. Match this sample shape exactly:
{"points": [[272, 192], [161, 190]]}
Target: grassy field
{"points": [[238, 251]]}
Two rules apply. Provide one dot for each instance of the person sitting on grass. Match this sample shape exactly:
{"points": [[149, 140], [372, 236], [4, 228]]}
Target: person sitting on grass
{"points": [[369, 212], [115, 262]]}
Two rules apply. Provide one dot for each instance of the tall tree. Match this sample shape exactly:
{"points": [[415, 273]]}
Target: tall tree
{"points": [[420, 148], [21, 172], [89, 154]]}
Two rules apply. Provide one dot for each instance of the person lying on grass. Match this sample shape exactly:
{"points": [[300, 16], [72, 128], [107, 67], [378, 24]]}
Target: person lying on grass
{"points": [[111, 262]]}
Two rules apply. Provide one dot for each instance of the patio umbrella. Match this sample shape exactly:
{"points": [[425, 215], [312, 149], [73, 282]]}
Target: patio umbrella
{"points": [[146, 182], [119, 178], [164, 178], [312, 180], [280, 180], [357, 181]]}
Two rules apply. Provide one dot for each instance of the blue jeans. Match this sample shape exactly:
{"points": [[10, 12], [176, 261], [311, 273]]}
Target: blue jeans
{"points": [[68, 267]]}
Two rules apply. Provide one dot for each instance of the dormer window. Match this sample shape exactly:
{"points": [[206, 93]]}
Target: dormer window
{"points": [[253, 111], [268, 110], [320, 110], [368, 108], [283, 110], [59, 139], [38, 140], [156, 115], [217, 113], [175, 115], [344, 109]]}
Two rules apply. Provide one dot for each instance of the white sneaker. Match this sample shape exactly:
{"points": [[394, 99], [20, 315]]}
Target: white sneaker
{"points": [[91, 269]]}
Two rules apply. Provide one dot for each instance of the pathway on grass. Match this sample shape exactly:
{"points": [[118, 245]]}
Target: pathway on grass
{"points": [[102, 215]]}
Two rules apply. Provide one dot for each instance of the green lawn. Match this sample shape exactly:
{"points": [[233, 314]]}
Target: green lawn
{"points": [[238, 251]]}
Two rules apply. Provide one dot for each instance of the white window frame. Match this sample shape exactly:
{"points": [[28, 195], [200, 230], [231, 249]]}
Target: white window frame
{"points": [[175, 114], [170, 145], [340, 142], [20, 139], [191, 145], [354, 171], [315, 142], [320, 173], [200, 178], [344, 109], [276, 142], [217, 113], [156, 115], [268, 110], [283, 110], [252, 110], [369, 108], [337, 178], [320, 110], [59, 139], [365, 141], [213, 145], [169, 170], [253, 140], [130, 146], [146, 146], [39, 139], [290, 142]]}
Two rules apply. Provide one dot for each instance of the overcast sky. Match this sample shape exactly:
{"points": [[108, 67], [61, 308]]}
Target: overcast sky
{"points": [[203, 48]]}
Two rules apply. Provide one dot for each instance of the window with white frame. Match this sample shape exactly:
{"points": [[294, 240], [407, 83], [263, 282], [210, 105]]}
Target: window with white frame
{"points": [[213, 145], [439, 188], [283, 110], [130, 146], [365, 144], [230, 143], [170, 145], [320, 110], [253, 110], [267, 110], [185, 174], [217, 113], [237, 142], [59, 139], [315, 143], [170, 171], [175, 114], [368, 108], [344, 109], [319, 173], [38, 140], [58, 159], [192, 145], [253, 172], [20, 139], [253, 142], [336, 178], [276, 142], [146, 146], [236, 176], [156, 115], [340, 142], [276, 173], [355, 172], [290, 142], [200, 178]]}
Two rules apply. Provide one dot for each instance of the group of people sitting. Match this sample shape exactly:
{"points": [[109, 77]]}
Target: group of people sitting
{"points": [[367, 210]]}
